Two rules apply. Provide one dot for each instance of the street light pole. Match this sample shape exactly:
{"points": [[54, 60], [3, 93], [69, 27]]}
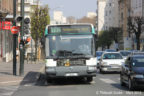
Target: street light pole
{"points": [[21, 70], [14, 40]]}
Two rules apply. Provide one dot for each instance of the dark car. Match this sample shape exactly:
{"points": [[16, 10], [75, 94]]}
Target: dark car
{"points": [[125, 53], [132, 72]]}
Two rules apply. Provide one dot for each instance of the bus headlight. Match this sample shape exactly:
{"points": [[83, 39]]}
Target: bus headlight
{"points": [[91, 69], [51, 63]]}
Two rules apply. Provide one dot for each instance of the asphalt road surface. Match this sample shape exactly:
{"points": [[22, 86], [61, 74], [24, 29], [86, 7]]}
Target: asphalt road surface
{"points": [[102, 85]]}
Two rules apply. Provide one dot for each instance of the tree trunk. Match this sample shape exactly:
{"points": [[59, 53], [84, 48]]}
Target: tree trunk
{"points": [[138, 42], [36, 50], [108, 46], [138, 36]]}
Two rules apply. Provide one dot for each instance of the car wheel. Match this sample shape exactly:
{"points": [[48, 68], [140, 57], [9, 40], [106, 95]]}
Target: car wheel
{"points": [[89, 79], [130, 85], [121, 81]]}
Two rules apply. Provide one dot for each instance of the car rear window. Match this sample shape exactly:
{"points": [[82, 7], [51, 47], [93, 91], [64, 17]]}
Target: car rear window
{"points": [[138, 62], [112, 56]]}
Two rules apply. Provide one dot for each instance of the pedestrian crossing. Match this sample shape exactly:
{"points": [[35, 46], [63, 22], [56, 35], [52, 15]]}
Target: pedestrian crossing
{"points": [[8, 90], [107, 80]]}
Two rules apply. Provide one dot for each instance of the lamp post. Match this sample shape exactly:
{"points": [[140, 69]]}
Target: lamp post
{"points": [[14, 40], [21, 69]]}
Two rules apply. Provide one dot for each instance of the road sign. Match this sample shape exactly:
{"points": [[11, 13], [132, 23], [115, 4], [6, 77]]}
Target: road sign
{"points": [[15, 29]]}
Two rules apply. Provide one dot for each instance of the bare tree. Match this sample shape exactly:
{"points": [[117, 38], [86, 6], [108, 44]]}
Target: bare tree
{"points": [[135, 25], [71, 19], [87, 20]]}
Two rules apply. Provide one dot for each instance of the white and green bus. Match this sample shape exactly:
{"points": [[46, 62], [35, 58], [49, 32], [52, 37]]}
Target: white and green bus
{"points": [[70, 51]]}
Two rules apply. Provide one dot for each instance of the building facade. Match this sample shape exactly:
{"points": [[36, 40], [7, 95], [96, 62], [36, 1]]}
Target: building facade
{"points": [[58, 18], [91, 14], [6, 38], [130, 8], [101, 4], [108, 14]]}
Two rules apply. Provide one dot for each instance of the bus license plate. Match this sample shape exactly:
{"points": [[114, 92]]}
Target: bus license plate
{"points": [[71, 74]]}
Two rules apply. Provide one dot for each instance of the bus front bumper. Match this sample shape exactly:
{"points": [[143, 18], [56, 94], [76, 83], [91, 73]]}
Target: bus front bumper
{"points": [[72, 71]]}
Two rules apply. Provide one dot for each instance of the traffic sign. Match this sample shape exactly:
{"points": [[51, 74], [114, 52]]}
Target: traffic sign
{"points": [[15, 29]]}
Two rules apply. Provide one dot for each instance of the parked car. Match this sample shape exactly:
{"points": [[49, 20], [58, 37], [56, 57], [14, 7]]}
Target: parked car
{"points": [[110, 50], [125, 53], [111, 61], [132, 72], [98, 57]]}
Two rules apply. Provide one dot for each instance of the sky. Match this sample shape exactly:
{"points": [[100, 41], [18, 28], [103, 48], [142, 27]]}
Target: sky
{"points": [[76, 8]]}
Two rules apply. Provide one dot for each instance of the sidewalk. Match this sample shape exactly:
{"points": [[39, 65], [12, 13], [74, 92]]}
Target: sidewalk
{"points": [[30, 72]]}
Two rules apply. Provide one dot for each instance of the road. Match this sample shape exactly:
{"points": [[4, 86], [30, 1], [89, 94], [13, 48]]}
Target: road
{"points": [[102, 85]]}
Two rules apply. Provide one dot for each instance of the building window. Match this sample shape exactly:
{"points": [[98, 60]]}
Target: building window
{"points": [[110, 12], [106, 13], [121, 16], [109, 4]]}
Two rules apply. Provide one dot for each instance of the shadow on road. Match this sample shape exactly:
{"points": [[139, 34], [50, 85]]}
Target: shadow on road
{"points": [[118, 86], [30, 78], [60, 81], [37, 79], [125, 88]]}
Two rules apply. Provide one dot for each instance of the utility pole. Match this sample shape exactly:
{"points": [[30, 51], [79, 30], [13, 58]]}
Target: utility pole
{"points": [[22, 49], [14, 40]]}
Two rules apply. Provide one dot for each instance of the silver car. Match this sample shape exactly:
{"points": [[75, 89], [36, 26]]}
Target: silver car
{"points": [[111, 61]]}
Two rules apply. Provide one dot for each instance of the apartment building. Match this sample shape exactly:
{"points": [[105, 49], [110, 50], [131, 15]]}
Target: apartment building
{"points": [[101, 4], [108, 15], [58, 18], [91, 14]]}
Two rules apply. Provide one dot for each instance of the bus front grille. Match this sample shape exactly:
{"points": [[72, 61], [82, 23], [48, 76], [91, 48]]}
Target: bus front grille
{"points": [[71, 62]]}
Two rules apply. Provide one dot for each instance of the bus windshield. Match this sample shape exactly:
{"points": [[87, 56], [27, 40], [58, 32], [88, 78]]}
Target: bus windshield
{"points": [[69, 46], [69, 29]]}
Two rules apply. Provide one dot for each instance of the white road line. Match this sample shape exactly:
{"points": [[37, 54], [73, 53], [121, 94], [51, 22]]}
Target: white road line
{"points": [[109, 81], [10, 82], [17, 81], [7, 94], [9, 91], [93, 82], [31, 84], [9, 88]]}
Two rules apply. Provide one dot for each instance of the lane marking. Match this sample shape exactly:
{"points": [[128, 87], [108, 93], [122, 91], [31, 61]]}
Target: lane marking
{"points": [[16, 81], [8, 94], [109, 81], [10, 88], [93, 82], [10, 82]]}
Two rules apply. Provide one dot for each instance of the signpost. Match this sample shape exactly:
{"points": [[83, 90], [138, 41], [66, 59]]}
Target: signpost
{"points": [[15, 30]]}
